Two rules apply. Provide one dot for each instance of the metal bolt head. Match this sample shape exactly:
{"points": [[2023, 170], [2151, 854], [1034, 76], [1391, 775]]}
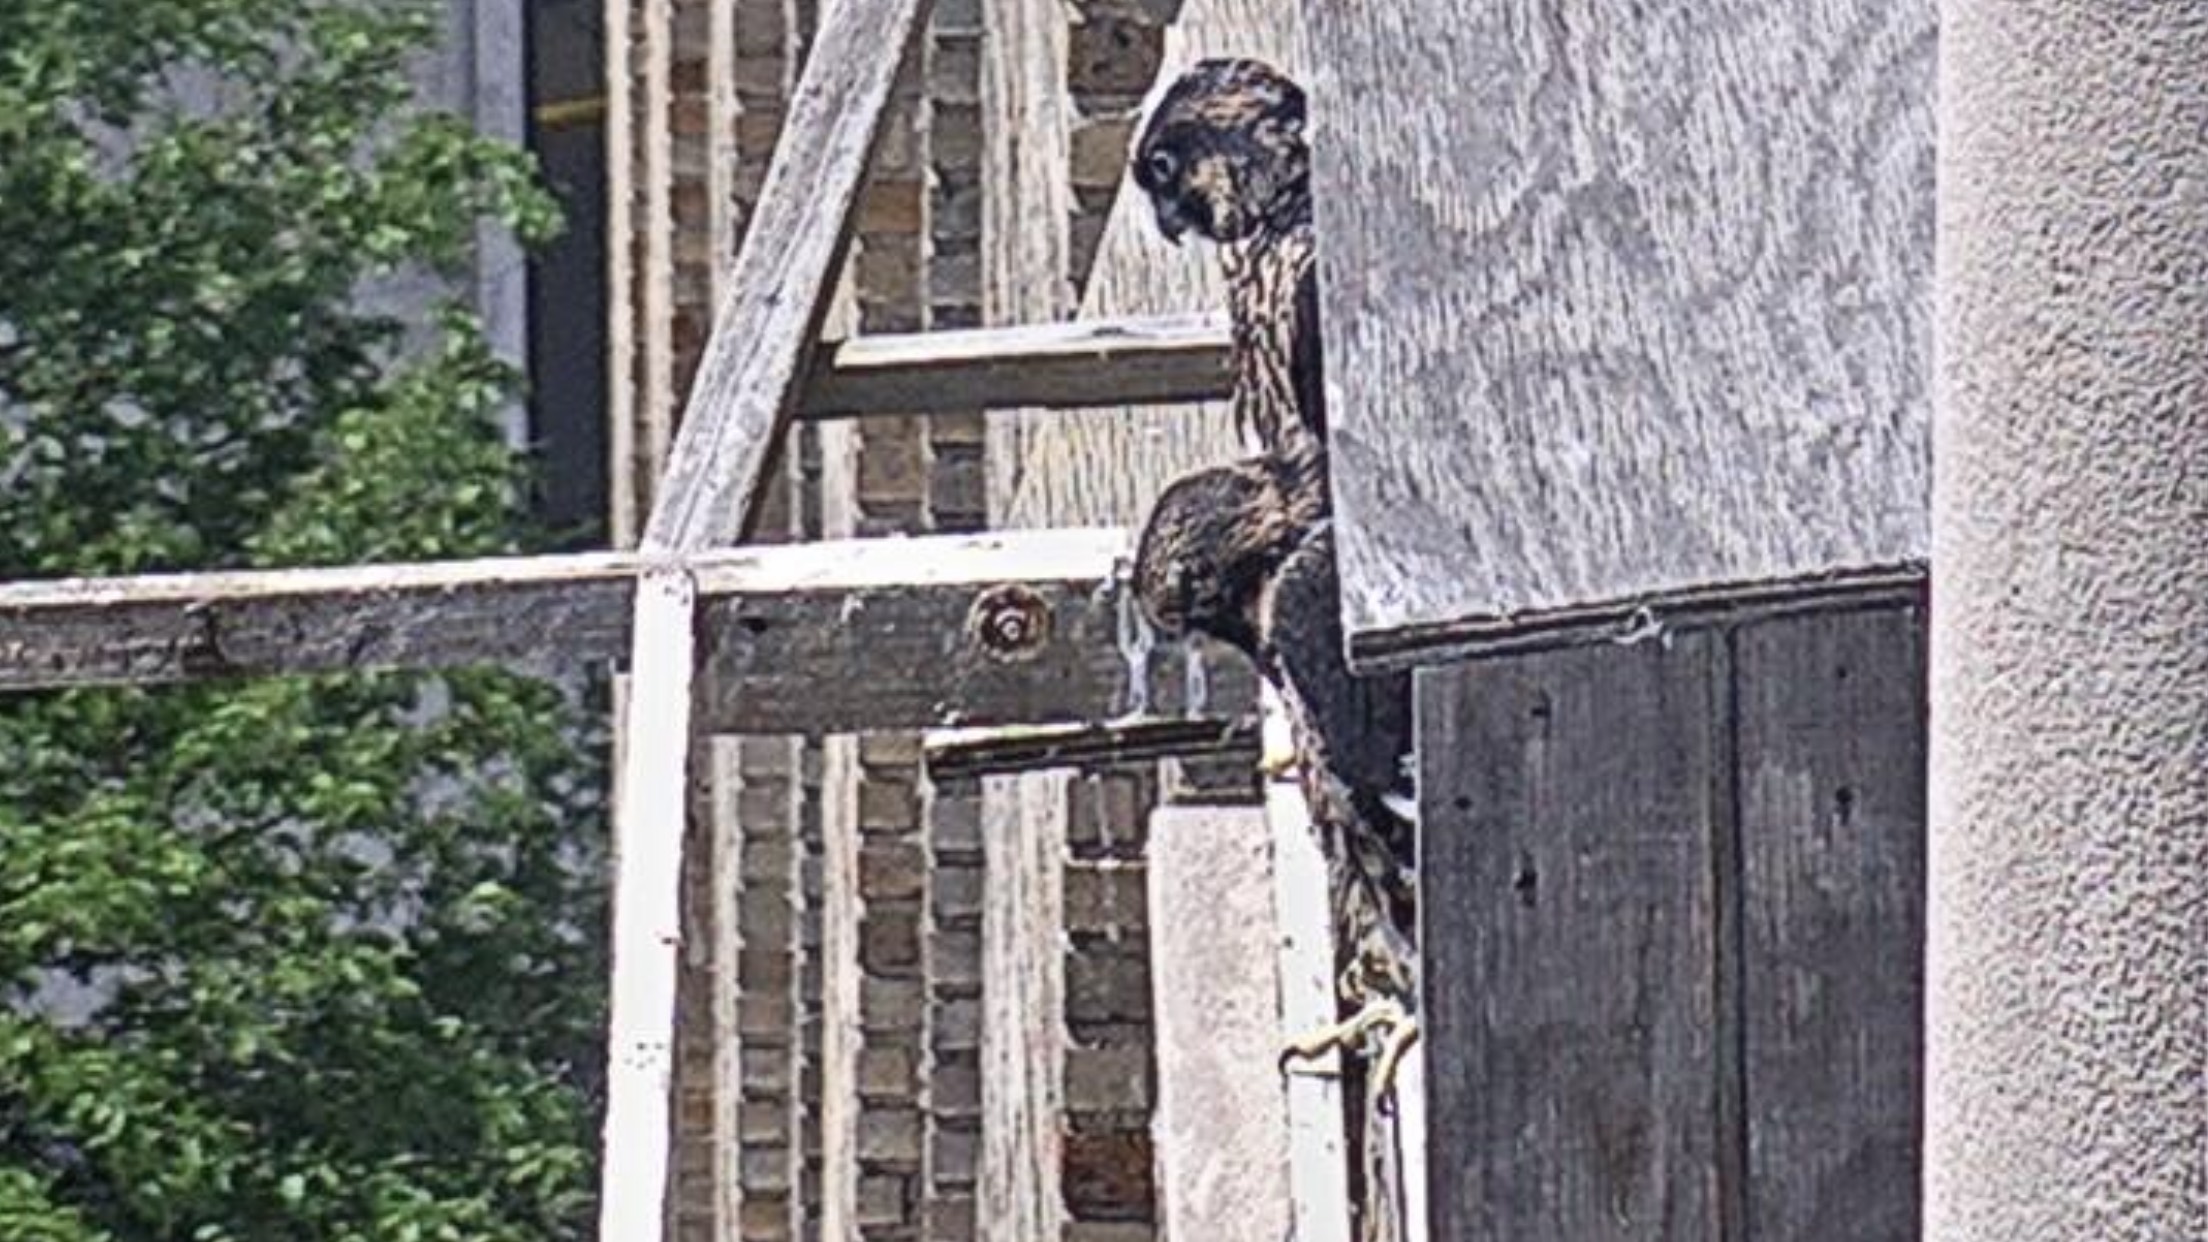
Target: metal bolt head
{"points": [[1009, 622]]}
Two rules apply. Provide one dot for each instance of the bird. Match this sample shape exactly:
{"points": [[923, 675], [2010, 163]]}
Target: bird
{"points": [[1223, 155], [1244, 554]]}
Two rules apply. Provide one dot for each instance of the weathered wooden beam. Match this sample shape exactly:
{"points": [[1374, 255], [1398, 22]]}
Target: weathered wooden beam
{"points": [[1059, 365], [1010, 627], [1318, 1161], [1007, 628], [531, 612], [747, 385], [651, 800], [1028, 748]]}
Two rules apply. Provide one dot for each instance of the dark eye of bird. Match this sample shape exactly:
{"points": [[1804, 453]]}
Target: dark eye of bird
{"points": [[1162, 166]]}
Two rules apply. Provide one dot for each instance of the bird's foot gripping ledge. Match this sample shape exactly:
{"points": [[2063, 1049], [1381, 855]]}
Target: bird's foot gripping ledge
{"points": [[1384, 1019]]}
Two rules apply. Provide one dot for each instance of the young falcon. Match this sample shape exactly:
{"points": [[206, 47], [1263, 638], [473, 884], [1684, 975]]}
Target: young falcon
{"points": [[1223, 156], [1244, 554]]}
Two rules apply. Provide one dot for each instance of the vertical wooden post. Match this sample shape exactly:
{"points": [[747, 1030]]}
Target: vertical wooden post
{"points": [[1318, 1168], [2067, 964], [650, 812]]}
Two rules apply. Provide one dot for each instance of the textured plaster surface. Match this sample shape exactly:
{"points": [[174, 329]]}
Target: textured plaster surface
{"points": [[2067, 1011], [1221, 1121]]}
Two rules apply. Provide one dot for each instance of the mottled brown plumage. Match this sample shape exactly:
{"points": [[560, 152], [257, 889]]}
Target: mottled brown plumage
{"points": [[1224, 156], [1353, 732], [1214, 539], [1244, 553]]}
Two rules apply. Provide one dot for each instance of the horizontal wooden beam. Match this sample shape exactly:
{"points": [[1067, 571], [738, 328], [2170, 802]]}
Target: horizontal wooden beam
{"points": [[1170, 358], [1028, 748], [1640, 619], [1013, 627], [530, 612], [850, 635]]}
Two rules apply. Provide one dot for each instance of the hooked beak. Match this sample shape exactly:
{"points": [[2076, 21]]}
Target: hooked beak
{"points": [[1171, 220]]}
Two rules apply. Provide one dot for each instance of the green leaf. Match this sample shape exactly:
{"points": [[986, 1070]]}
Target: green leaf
{"points": [[330, 953]]}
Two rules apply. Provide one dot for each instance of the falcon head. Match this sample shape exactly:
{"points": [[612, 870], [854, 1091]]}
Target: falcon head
{"points": [[1223, 153], [1214, 539]]}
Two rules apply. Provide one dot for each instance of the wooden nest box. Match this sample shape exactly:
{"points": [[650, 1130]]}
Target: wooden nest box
{"points": [[1628, 316]]}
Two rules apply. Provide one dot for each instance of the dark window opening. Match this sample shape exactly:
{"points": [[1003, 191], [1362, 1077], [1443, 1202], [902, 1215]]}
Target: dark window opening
{"points": [[567, 280]]}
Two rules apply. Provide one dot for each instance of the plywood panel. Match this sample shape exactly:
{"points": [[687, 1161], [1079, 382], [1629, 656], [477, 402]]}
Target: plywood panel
{"points": [[1624, 305], [1570, 918], [1831, 780]]}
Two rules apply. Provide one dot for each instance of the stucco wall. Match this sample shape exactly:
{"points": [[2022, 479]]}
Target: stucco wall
{"points": [[2067, 1004]]}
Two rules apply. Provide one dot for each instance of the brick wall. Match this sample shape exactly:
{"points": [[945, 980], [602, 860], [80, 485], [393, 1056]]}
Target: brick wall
{"points": [[833, 1041], [953, 968], [1106, 1164]]}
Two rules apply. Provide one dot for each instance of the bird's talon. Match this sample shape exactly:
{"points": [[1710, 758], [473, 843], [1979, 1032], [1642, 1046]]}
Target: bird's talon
{"points": [[1388, 1016], [1401, 1035], [1278, 762]]}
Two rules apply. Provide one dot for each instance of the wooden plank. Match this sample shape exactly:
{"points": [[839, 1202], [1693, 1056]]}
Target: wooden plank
{"points": [[528, 611], [1318, 1157], [1019, 1188], [1568, 908], [1626, 306], [624, 453], [1014, 627], [650, 804], [1028, 748], [784, 277], [1165, 358], [1832, 793], [898, 656], [1410, 1143]]}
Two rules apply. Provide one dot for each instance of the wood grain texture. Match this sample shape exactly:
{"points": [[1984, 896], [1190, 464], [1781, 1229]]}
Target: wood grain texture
{"points": [[1084, 364], [1220, 1121], [535, 612], [842, 635], [1831, 733], [1023, 1044], [1568, 911], [914, 658], [784, 277], [1674, 904], [1624, 306]]}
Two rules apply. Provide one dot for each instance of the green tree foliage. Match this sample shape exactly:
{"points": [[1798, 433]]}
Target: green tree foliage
{"points": [[295, 959]]}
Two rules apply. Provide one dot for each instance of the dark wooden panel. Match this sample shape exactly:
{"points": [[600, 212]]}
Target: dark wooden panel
{"points": [[1832, 765], [1570, 924], [1623, 304]]}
